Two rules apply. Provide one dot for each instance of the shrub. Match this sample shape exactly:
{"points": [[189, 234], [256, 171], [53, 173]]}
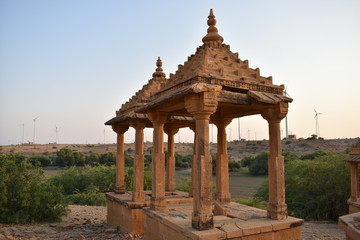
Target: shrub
{"points": [[290, 156], [91, 196], [76, 179], [315, 189], [25, 194], [314, 155], [252, 202], [184, 185], [234, 165], [87, 185]]}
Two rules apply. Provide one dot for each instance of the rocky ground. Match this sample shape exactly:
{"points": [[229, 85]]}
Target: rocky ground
{"points": [[85, 222]]}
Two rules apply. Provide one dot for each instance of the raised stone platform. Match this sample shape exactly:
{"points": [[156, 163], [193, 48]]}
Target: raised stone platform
{"points": [[128, 215], [351, 225], [240, 223]]}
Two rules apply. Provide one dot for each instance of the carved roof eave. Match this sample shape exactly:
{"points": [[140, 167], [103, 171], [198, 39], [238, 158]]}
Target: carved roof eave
{"points": [[124, 119], [165, 97]]}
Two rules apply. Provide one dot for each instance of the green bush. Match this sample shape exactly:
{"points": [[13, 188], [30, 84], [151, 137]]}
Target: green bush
{"points": [[252, 202], [91, 197], [184, 185], [87, 185], [77, 179], [25, 194], [257, 165], [316, 189]]}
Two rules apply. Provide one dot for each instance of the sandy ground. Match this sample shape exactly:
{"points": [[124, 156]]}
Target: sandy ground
{"points": [[86, 222]]}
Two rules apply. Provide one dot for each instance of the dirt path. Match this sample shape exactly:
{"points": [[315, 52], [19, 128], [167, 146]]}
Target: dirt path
{"points": [[85, 222]]}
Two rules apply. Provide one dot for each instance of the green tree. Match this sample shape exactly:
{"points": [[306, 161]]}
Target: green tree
{"points": [[234, 165], [316, 189], [314, 155], [26, 195], [65, 158], [289, 156], [79, 158]]}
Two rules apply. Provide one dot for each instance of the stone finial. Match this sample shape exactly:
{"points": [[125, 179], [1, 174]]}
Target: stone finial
{"points": [[212, 35], [159, 71]]}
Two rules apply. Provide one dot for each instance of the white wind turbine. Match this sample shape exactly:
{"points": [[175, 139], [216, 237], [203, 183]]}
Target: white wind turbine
{"points": [[317, 128], [34, 129]]}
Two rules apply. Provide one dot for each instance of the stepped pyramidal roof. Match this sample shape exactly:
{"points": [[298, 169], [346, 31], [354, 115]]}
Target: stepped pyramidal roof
{"points": [[213, 63]]}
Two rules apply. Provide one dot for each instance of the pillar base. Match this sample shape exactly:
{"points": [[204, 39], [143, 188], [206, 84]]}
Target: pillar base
{"points": [[158, 203], [223, 197], [277, 211], [202, 222], [354, 207], [119, 190], [138, 196]]}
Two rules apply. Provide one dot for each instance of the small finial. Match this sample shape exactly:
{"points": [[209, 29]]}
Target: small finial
{"points": [[212, 32], [159, 71]]}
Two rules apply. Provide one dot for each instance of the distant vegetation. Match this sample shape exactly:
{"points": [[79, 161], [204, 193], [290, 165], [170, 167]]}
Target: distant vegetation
{"points": [[25, 195], [317, 187], [317, 183]]}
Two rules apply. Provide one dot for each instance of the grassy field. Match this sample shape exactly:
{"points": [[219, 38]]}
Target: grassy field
{"points": [[241, 184]]}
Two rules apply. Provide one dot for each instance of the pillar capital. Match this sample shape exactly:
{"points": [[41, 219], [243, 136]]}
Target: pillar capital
{"points": [[201, 105], [157, 117], [220, 121], [120, 129], [275, 113], [170, 130], [137, 124]]}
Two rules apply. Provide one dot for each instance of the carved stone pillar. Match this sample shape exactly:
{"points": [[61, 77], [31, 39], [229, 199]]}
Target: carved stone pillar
{"points": [[170, 166], [277, 208], [138, 191], [193, 165], [222, 194], [354, 181], [120, 158], [201, 106], [158, 200]]}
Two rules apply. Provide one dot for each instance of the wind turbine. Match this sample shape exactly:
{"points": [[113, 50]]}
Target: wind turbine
{"points": [[317, 123], [34, 129], [286, 121], [23, 130], [56, 131]]}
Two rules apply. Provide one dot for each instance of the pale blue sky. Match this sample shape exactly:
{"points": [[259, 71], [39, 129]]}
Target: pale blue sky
{"points": [[73, 63]]}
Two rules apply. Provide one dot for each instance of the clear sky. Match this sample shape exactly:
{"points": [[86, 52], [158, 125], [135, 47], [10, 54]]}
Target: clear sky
{"points": [[73, 63]]}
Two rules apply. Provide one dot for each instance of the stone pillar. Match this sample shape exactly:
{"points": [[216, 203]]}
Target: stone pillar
{"points": [[170, 166], [158, 201], [277, 208], [222, 194], [138, 188], [201, 106], [193, 165], [354, 181], [120, 158]]}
